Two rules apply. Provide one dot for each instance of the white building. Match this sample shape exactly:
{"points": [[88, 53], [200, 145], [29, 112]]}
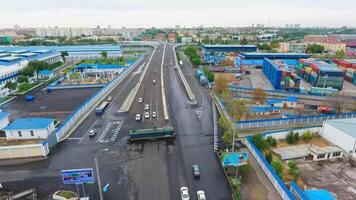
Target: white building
{"points": [[29, 128], [187, 40], [4, 120], [342, 133]]}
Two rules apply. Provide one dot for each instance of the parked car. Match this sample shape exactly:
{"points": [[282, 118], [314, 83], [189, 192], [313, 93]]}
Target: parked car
{"points": [[138, 117], [109, 98], [92, 133], [154, 114], [140, 100], [147, 115], [196, 171], [184, 193], [201, 195], [147, 107]]}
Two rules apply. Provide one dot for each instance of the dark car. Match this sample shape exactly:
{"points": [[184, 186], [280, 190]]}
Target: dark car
{"points": [[196, 171]]}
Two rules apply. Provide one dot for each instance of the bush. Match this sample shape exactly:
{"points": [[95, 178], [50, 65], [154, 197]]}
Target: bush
{"points": [[292, 138], [307, 136], [293, 169], [269, 157], [244, 170], [271, 141], [260, 142]]}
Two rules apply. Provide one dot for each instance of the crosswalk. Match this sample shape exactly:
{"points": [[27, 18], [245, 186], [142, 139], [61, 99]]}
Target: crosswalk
{"points": [[111, 127]]}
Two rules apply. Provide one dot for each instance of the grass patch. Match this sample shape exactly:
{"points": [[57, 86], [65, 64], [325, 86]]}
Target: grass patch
{"points": [[75, 75], [24, 87], [66, 194]]}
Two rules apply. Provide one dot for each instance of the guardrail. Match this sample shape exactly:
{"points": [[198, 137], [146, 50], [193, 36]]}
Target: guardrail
{"points": [[131, 97], [184, 80], [269, 172], [82, 111], [304, 120], [163, 90], [215, 125]]}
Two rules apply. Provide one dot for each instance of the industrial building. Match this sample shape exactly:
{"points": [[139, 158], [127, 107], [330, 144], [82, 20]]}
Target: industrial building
{"points": [[341, 132], [256, 59], [45, 74], [207, 49], [29, 128]]}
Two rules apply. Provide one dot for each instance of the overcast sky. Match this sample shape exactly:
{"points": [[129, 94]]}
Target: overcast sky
{"points": [[159, 13]]}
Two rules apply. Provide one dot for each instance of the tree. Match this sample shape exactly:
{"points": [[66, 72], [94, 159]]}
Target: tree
{"points": [[228, 136], [11, 85], [259, 95], [28, 71], [22, 79], [121, 59], [104, 54], [278, 166], [220, 85], [237, 108], [290, 137], [293, 169], [264, 46], [244, 170], [307, 136], [340, 54], [315, 48], [196, 60], [243, 41], [274, 44], [260, 142], [64, 54], [271, 141], [269, 157]]}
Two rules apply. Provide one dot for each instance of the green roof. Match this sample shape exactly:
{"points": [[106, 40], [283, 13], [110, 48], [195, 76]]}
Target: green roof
{"points": [[348, 126]]}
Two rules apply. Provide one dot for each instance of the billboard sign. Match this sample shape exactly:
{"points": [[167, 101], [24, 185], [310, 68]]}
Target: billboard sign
{"points": [[77, 176]]}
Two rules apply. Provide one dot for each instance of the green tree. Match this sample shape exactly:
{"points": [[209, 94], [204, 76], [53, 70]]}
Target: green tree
{"points": [[196, 60], [271, 141], [228, 136], [237, 108], [28, 71], [22, 79], [307, 136], [315, 48], [274, 44], [244, 170], [64, 54], [104, 54], [11, 85], [264, 46], [259, 95], [293, 169], [278, 166], [260, 142], [269, 157]]}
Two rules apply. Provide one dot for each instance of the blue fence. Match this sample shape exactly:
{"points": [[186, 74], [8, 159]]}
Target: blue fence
{"points": [[268, 170], [304, 120], [73, 119], [295, 189]]}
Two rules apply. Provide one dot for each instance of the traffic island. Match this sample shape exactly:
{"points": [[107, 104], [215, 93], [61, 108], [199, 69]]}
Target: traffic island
{"points": [[65, 195]]}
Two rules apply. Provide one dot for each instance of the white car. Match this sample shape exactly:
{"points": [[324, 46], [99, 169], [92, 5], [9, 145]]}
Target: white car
{"points": [[109, 98], [154, 81], [147, 115], [201, 195], [154, 114], [138, 117], [140, 100], [147, 107], [184, 193]]}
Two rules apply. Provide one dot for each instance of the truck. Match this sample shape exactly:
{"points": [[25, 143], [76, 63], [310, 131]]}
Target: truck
{"points": [[100, 110], [151, 134]]}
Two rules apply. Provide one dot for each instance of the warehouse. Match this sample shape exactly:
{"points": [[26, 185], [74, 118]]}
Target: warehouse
{"points": [[341, 132], [99, 70], [256, 59], [29, 128], [207, 49]]}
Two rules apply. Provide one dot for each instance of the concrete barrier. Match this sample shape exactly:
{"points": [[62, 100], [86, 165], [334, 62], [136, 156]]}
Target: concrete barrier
{"points": [[184, 80], [24, 151], [163, 89]]}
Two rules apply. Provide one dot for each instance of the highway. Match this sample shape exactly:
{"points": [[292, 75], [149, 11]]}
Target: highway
{"points": [[145, 170]]}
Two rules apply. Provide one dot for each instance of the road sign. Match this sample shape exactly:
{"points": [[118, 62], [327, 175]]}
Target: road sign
{"points": [[77, 176]]}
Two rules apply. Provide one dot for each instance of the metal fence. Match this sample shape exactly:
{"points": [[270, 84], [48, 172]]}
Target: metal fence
{"points": [[280, 93], [269, 172], [88, 105], [297, 191], [292, 121]]}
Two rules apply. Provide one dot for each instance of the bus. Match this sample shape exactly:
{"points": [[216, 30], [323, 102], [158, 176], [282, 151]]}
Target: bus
{"points": [[99, 110]]}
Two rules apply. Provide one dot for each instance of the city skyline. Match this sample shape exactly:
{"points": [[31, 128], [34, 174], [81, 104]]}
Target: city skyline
{"points": [[159, 13]]}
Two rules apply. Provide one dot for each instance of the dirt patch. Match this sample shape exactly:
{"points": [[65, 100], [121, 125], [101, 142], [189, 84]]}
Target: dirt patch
{"points": [[251, 188], [228, 76], [317, 140]]}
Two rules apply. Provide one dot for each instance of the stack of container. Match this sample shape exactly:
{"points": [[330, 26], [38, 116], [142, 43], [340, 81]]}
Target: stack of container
{"points": [[280, 75], [320, 74], [349, 67]]}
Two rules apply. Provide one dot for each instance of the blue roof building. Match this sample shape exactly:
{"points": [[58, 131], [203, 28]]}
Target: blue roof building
{"points": [[256, 59], [29, 128], [98, 66], [228, 48], [45, 74], [264, 109]]}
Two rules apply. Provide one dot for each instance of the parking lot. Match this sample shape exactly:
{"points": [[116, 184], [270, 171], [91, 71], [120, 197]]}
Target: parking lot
{"points": [[338, 176], [57, 104]]}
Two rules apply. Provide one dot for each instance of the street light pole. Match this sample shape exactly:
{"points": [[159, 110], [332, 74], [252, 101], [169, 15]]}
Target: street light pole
{"points": [[233, 137]]}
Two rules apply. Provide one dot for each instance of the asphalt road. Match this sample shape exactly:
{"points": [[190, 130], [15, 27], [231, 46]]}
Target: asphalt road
{"points": [[150, 170]]}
